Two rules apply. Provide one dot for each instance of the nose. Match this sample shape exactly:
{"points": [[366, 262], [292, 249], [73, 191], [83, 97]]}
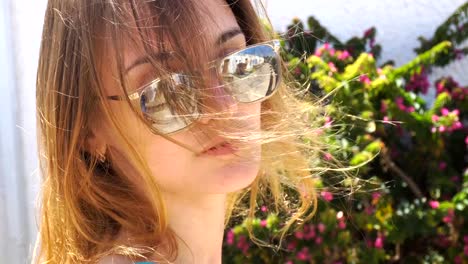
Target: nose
{"points": [[217, 102]]}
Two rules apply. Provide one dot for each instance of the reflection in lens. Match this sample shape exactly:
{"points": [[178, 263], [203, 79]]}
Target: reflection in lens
{"points": [[169, 104], [252, 73]]}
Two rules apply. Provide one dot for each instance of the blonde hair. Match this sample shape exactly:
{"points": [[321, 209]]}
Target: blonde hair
{"points": [[85, 202]]}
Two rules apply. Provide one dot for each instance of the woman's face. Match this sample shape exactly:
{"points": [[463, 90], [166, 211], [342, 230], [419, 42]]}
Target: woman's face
{"points": [[175, 168]]}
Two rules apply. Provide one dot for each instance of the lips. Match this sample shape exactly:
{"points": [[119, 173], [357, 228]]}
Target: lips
{"points": [[220, 148], [214, 145]]}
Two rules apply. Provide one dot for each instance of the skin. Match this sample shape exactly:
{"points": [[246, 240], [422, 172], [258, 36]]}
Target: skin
{"points": [[193, 186]]}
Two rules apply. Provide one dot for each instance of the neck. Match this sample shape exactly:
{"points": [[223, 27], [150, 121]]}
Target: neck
{"points": [[199, 224]]}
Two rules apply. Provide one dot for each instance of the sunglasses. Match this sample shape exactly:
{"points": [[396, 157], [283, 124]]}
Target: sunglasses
{"points": [[171, 104]]}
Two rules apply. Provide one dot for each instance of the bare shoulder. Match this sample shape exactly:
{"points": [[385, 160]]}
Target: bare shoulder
{"points": [[115, 259]]}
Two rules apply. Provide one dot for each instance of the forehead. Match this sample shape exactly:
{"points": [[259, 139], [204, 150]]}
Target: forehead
{"points": [[177, 29]]}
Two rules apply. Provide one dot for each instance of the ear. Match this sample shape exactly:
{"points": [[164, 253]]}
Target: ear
{"points": [[95, 143]]}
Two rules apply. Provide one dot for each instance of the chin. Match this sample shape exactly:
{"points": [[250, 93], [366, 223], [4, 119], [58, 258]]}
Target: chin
{"points": [[235, 175], [241, 177]]}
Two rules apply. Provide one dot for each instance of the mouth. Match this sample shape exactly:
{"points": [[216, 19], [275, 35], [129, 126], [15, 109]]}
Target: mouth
{"points": [[222, 148]]}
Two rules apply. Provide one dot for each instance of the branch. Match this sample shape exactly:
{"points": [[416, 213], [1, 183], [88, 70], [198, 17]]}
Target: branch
{"points": [[397, 255], [387, 160]]}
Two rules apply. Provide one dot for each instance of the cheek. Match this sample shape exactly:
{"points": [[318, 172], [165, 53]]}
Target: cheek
{"points": [[252, 114], [170, 167], [168, 162]]}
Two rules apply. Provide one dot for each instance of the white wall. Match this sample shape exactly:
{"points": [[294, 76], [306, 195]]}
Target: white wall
{"points": [[20, 31], [398, 22]]}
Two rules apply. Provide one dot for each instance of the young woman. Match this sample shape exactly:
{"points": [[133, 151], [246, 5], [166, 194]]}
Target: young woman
{"points": [[157, 120]]}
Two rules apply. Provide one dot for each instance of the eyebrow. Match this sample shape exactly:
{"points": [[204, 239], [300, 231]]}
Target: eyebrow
{"points": [[227, 35], [146, 59]]}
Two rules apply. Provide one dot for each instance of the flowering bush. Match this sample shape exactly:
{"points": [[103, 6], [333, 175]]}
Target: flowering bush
{"points": [[409, 200]]}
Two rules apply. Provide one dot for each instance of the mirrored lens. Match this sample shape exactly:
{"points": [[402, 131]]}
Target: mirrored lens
{"points": [[251, 74], [169, 104]]}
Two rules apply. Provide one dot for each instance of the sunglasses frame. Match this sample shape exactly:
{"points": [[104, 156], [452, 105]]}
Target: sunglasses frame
{"points": [[275, 44]]}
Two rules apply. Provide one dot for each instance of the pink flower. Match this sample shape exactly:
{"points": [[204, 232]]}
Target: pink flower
{"points": [[465, 239], [399, 103], [328, 122], [318, 52], [434, 204], [442, 165], [444, 111], [465, 250], [410, 109], [327, 156], [378, 243], [376, 196], [297, 71], [455, 178], [342, 224], [383, 106], [242, 244], [368, 32], [326, 46], [364, 79], [309, 235], [443, 241], [457, 260], [386, 119], [457, 125], [466, 140], [369, 210], [299, 235], [435, 118], [433, 129], [343, 55], [263, 223], [418, 82], [230, 237], [318, 240], [441, 128], [449, 217], [318, 131], [292, 245], [332, 67], [264, 209], [321, 227], [399, 100], [440, 87], [303, 254], [327, 196]]}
